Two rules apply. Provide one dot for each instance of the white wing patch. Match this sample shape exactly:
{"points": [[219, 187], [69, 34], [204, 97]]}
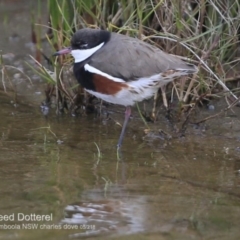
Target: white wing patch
{"points": [[91, 69]]}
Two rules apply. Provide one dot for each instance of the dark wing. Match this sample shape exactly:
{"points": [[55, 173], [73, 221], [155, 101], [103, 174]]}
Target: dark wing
{"points": [[129, 58]]}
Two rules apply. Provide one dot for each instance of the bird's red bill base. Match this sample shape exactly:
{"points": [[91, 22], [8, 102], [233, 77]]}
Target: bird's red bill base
{"points": [[63, 51]]}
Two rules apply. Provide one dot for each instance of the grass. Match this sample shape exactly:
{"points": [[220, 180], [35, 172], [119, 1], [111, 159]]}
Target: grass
{"points": [[205, 32], [6, 79]]}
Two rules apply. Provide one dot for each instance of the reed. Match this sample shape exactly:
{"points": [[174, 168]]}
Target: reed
{"points": [[206, 32]]}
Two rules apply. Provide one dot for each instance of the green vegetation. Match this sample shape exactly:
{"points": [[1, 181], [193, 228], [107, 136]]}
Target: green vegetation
{"points": [[205, 32]]}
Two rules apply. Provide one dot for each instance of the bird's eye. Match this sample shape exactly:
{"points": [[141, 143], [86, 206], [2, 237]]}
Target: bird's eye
{"points": [[82, 45]]}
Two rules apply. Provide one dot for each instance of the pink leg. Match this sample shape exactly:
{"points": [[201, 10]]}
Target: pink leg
{"points": [[127, 116]]}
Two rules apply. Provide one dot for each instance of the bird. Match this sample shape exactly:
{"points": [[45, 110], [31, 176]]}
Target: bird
{"points": [[120, 69]]}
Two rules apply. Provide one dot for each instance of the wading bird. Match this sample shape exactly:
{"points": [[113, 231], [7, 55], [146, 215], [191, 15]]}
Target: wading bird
{"points": [[121, 69]]}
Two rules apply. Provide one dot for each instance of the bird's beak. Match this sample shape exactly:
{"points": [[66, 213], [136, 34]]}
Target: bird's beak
{"points": [[63, 51]]}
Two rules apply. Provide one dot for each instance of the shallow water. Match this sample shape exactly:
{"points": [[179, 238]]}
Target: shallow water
{"points": [[182, 188]]}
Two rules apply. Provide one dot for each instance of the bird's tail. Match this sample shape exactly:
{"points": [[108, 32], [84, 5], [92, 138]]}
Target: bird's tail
{"points": [[190, 69]]}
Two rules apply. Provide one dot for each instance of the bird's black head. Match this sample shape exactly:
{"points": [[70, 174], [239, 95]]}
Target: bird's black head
{"points": [[85, 39], [88, 38]]}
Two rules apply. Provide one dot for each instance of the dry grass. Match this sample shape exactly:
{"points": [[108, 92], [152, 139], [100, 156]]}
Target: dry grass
{"points": [[205, 32]]}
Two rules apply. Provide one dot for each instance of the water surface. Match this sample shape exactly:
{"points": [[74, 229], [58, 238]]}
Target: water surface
{"points": [[66, 167]]}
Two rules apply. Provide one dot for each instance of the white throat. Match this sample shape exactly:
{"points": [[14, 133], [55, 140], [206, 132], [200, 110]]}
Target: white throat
{"points": [[81, 55]]}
